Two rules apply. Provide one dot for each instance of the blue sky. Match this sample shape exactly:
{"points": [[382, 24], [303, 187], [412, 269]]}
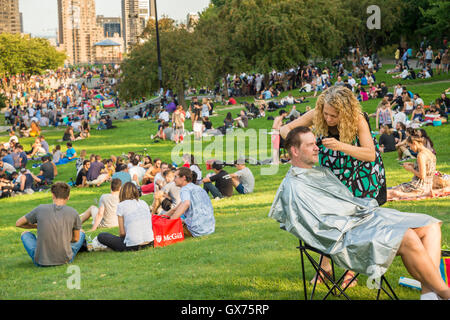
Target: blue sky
{"points": [[41, 16]]}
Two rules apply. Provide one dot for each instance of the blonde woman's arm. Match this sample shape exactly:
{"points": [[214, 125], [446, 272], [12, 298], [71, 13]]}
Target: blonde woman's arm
{"points": [[366, 150], [306, 121]]}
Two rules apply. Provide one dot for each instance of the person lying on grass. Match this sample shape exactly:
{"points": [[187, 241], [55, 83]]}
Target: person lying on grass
{"points": [[59, 235], [314, 205]]}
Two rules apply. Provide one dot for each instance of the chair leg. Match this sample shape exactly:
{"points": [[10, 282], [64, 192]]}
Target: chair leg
{"points": [[318, 268], [393, 297], [317, 277], [303, 271], [390, 288]]}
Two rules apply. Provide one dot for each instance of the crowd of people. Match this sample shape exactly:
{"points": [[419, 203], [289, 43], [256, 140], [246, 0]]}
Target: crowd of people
{"points": [[177, 193], [343, 143], [61, 98]]}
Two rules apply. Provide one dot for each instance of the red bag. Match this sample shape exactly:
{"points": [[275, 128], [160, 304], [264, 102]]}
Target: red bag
{"points": [[166, 231]]}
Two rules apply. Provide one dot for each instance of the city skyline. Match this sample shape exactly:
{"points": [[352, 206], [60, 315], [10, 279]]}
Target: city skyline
{"points": [[33, 11]]}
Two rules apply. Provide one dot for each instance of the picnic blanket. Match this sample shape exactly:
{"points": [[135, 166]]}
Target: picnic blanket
{"points": [[436, 193], [64, 161]]}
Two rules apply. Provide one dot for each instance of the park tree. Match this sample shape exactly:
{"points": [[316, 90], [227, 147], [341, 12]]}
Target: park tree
{"points": [[261, 35], [226, 57], [22, 54], [185, 60], [355, 25], [164, 24], [437, 20], [422, 18]]}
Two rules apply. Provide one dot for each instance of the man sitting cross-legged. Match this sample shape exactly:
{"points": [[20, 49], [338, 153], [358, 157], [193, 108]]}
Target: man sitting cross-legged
{"points": [[224, 184], [58, 230], [243, 179], [105, 216], [315, 206]]}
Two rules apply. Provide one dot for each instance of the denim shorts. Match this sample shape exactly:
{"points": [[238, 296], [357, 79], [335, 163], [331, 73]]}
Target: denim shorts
{"points": [[240, 188]]}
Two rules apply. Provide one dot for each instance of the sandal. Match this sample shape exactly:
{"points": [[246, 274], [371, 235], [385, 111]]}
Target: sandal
{"points": [[322, 278], [349, 282]]}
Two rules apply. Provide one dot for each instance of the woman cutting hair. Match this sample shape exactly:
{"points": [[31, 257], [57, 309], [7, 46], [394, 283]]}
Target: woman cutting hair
{"points": [[346, 147], [346, 144]]}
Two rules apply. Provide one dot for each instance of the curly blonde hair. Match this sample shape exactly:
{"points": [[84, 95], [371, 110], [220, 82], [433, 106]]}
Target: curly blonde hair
{"points": [[344, 101]]}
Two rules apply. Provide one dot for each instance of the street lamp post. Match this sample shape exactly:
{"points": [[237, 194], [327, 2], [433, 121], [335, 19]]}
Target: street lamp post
{"points": [[158, 48]]}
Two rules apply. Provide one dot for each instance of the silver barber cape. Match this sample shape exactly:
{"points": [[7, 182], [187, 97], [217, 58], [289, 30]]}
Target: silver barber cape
{"points": [[317, 208]]}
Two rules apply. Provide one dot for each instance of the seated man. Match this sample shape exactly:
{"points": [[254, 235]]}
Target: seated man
{"points": [[243, 179], [81, 180], [97, 173], [6, 168], [105, 216], [58, 230], [242, 120], [122, 173], [194, 204], [48, 171], [224, 184], [24, 182], [315, 206]]}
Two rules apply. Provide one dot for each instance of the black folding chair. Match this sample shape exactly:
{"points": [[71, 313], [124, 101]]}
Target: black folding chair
{"points": [[335, 288]]}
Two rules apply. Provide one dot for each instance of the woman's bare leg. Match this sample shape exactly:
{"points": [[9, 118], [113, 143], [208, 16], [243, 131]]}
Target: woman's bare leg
{"points": [[420, 265]]}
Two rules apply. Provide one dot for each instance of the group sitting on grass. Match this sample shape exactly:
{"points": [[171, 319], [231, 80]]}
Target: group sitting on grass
{"points": [[177, 194]]}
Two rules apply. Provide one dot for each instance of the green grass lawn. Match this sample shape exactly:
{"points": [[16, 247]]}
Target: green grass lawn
{"points": [[248, 256]]}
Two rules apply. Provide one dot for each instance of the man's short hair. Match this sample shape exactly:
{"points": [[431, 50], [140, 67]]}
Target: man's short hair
{"points": [[116, 184], [293, 137], [69, 144], [85, 161], [167, 172], [240, 160], [185, 172], [134, 161], [60, 190], [218, 165], [282, 112]]}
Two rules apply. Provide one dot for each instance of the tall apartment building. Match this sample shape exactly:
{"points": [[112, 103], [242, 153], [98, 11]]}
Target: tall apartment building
{"points": [[110, 26], [135, 14], [10, 20], [78, 30]]}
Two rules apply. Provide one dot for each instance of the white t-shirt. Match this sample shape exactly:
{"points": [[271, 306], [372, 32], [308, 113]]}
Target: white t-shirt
{"points": [[352, 82], [418, 101], [76, 126], [137, 170], [164, 116], [307, 87], [399, 117], [197, 170], [137, 221]]}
